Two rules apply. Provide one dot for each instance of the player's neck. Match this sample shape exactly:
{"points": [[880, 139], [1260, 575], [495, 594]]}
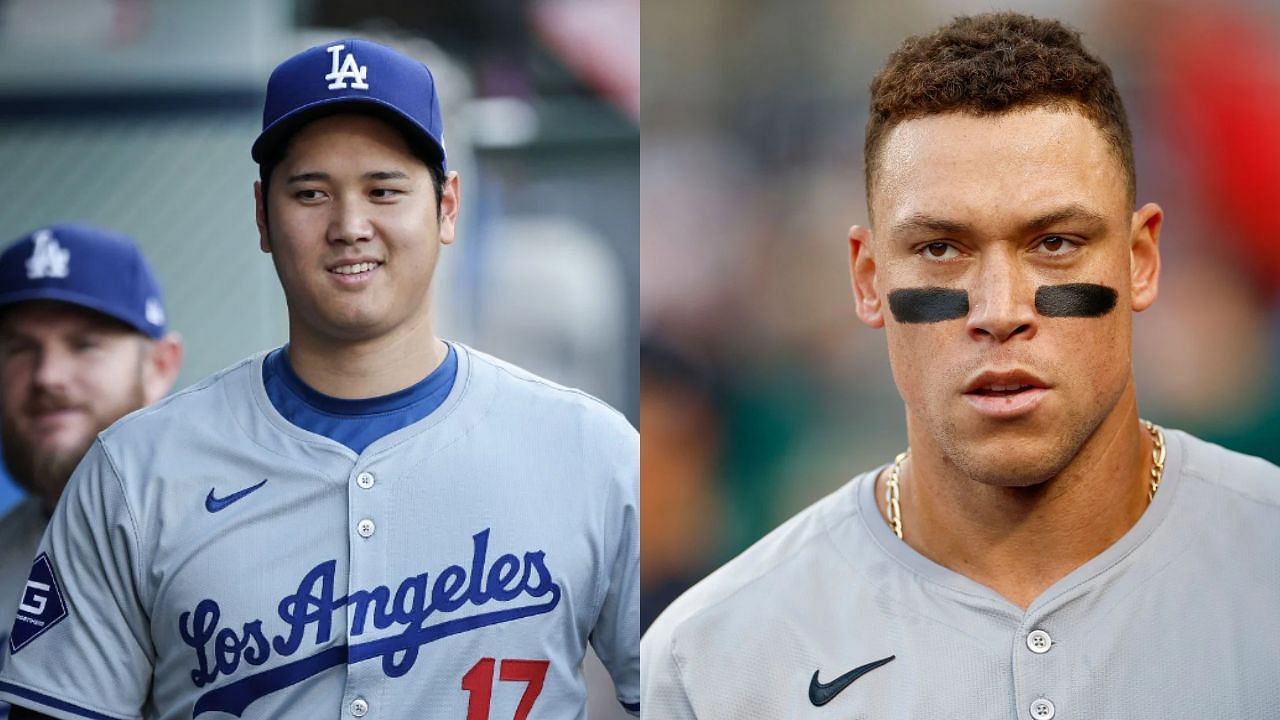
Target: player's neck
{"points": [[1019, 541], [365, 368]]}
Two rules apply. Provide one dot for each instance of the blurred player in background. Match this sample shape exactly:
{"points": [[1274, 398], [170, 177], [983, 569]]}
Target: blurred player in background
{"points": [[367, 521], [1039, 549], [83, 342]]}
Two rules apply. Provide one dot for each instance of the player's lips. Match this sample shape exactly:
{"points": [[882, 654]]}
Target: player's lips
{"points": [[1005, 393], [354, 271], [52, 419]]}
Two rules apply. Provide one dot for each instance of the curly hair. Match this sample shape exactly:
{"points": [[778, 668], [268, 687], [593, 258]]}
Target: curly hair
{"points": [[991, 64]]}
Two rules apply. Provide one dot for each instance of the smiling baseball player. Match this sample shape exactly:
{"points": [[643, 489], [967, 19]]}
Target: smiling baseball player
{"points": [[368, 522], [1040, 552]]}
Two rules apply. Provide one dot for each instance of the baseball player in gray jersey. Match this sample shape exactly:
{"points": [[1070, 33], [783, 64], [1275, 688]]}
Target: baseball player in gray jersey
{"points": [[1039, 552], [367, 523], [83, 341]]}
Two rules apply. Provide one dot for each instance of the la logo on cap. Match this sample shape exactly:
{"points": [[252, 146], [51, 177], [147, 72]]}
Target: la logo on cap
{"points": [[48, 258], [350, 71]]}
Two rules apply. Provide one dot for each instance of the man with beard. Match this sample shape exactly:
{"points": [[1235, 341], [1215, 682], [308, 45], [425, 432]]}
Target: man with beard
{"points": [[82, 343]]}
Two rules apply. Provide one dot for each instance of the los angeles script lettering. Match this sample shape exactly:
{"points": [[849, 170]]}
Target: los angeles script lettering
{"points": [[219, 651]]}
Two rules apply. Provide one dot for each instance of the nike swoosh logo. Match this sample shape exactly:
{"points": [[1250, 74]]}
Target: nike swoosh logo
{"points": [[822, 693], [214, 504]]}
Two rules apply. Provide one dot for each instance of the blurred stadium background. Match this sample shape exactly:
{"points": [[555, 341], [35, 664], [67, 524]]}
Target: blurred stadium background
{"points": [[760, 389], [138, 115]]}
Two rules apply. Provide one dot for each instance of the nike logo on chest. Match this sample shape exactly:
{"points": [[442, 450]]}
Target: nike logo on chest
{"points": [[822, 693], [215, 504]]}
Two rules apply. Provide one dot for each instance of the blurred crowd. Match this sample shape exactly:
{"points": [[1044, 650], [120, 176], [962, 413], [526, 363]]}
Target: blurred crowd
{"points": [[760, 389]]}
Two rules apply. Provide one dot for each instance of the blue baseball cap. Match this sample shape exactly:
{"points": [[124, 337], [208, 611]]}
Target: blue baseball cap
{"points": [[86, 266], [347, 75]]}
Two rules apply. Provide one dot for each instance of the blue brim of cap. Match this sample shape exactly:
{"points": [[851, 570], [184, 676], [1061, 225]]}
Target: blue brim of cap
{"points": [[279, 132], [85, 301]]}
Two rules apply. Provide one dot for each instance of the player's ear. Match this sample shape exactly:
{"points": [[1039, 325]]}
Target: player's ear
{"points": [[260, 216], [1144, 256], [862, 266], [450, 203], [161, 363]]}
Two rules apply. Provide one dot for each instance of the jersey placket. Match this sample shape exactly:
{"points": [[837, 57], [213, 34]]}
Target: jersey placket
{"points": [[1041, 669], [368, 553]]}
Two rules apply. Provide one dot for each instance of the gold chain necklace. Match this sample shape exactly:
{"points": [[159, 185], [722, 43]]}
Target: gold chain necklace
{"points": [[893, 496]]}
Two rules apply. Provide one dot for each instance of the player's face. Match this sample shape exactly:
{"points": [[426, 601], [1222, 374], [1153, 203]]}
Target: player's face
{"points": [[1005, 267], [66, 374], [354, 231]]}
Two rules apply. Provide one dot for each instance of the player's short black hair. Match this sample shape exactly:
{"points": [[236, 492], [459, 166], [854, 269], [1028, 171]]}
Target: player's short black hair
{"points": [[991, 64]]}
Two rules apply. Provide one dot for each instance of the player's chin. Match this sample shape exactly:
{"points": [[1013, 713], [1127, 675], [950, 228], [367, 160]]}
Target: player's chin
{"points": [[355, 323], [1011, 474], [1014, 458]]}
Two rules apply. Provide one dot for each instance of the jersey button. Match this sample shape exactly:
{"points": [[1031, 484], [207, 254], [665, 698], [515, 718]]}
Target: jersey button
{"points": [[1039, 642], [1042, 709], [364, 480], [359, 707], [365, 528]]}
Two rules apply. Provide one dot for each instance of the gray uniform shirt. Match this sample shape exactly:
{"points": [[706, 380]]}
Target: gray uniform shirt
{"points": [[1180, 618], [209, 559], [20, 531]]}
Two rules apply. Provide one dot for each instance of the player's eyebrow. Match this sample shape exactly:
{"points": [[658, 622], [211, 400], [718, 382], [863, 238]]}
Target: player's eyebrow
{"points": [[1088, 221], [307, 177], [315, 176], [386, 175], [922, 223], [1082, 218]]}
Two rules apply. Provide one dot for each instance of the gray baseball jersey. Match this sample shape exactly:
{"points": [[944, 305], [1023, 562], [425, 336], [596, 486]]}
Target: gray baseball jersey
{"points": [[20, 531], [210, 560], [831, 616]]}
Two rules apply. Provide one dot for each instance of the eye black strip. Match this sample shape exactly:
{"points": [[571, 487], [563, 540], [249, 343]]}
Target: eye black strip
{"points": [[1084, 300], [928, 305]]}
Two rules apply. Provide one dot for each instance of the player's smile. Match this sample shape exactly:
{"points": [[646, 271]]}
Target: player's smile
{"points": [[49, 422], [355, 273]]}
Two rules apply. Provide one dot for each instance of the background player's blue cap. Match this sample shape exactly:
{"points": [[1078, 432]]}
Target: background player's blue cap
{"points": [[86, 266], [356, 75]]}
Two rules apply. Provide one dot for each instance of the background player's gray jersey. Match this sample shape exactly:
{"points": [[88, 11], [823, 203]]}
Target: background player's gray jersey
{"points": [[211, 560], [1178, 619], [20, 531]]}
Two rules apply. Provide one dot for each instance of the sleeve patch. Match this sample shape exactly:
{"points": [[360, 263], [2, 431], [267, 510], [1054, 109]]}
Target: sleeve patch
{"points": [[42, 606]]}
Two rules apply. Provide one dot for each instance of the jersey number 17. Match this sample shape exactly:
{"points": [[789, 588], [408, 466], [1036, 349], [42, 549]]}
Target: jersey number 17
{"points": [[479, 682]]}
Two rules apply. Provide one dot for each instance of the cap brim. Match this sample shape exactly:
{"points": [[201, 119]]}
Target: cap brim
{"points": [[70, 297], [271, 143]]}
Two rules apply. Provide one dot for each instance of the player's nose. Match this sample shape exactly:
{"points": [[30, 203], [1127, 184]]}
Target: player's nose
{"points": [[1001, 301], [349, 222], [53, 367]]}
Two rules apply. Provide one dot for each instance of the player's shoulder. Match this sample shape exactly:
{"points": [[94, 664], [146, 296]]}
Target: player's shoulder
{"points": [[538, 396], [1248, 477], [194, 405], [797, 557]]}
